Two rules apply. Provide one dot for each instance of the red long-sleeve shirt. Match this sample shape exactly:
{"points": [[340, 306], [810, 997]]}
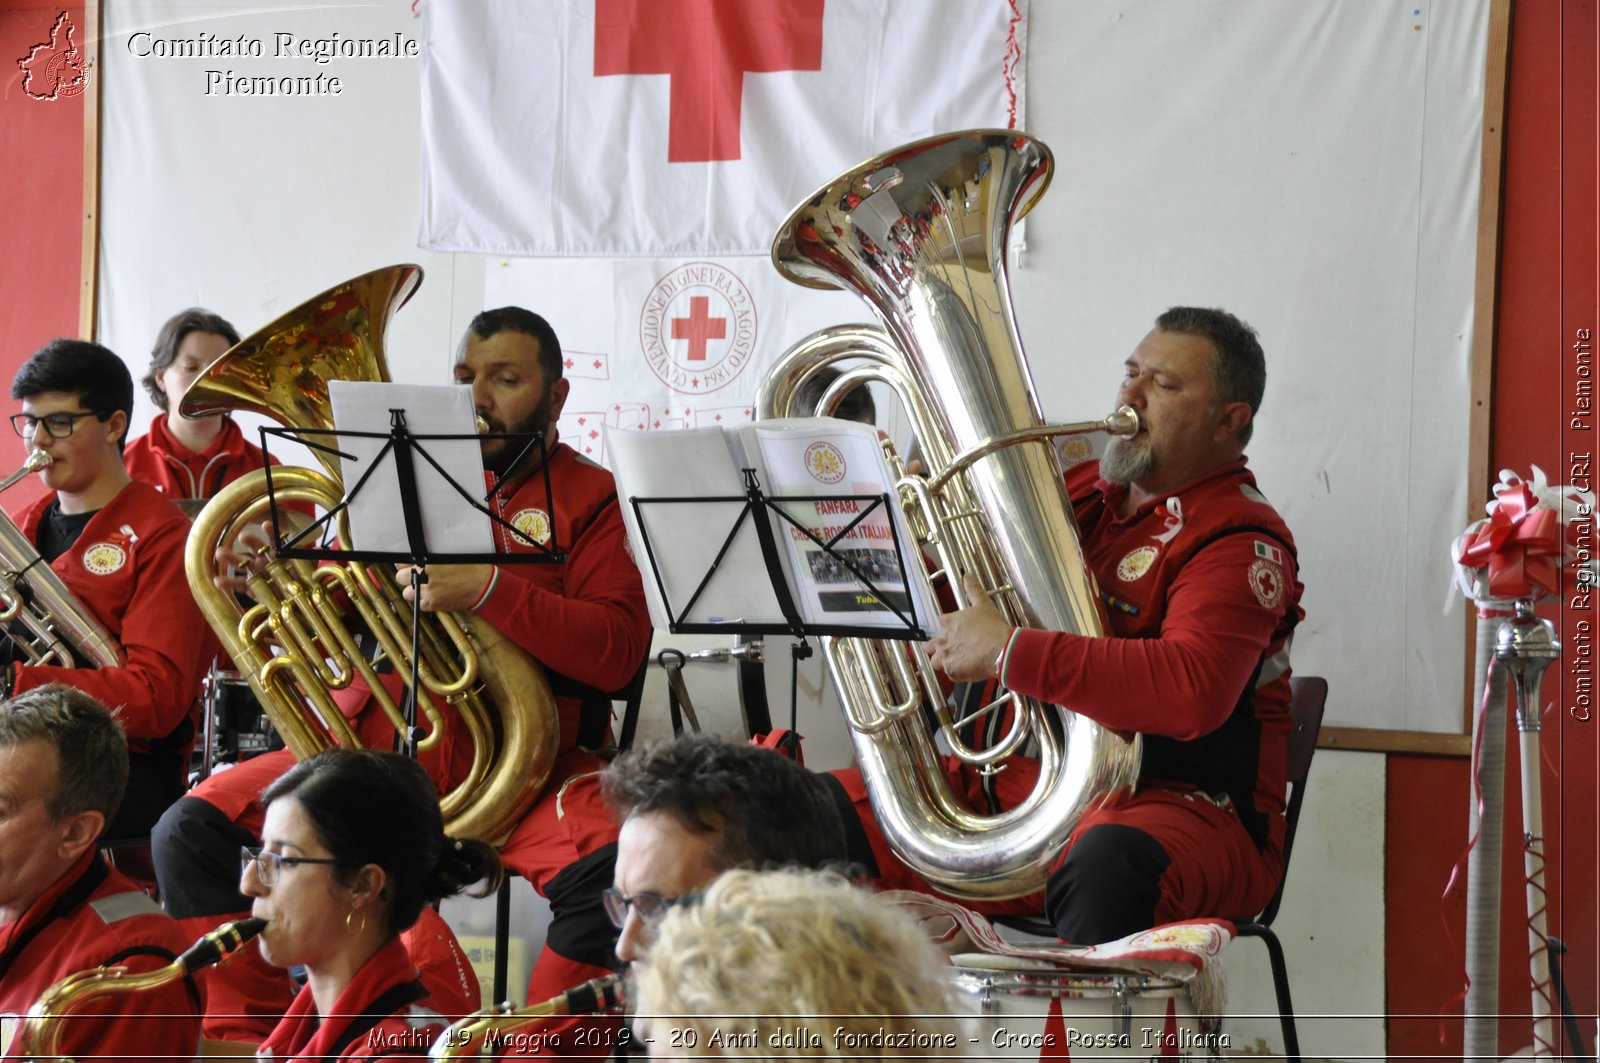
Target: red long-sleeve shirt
{"points": [[126, 568], [1201, 599]]}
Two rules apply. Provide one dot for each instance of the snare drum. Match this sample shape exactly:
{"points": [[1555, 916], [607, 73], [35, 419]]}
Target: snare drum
{"points": [[1030, 1009]]}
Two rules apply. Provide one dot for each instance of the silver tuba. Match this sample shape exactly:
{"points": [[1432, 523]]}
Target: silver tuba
{"points": [[37, 612], [921, 233]]}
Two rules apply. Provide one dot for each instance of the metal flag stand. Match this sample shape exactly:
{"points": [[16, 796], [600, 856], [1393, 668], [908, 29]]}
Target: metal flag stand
{"points": [[1506, 564]]}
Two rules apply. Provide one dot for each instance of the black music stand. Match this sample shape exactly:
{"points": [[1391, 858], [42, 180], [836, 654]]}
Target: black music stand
{"points": [[765, 516], [405, 448]]}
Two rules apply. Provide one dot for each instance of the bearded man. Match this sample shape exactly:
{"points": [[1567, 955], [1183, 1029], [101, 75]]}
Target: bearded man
{"points": [[584, 619], [1197, 574]]}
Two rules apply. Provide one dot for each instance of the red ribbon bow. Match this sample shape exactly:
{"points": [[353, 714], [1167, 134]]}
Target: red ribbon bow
{"points": [[1520, 545]]}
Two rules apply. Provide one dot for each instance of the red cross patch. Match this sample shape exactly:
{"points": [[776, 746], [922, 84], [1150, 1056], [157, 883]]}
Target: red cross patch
{"points": [[1266, 581]]}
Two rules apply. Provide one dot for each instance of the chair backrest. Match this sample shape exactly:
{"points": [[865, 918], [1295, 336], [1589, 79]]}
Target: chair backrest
{"points": [[631, 696], [1308, 696]]}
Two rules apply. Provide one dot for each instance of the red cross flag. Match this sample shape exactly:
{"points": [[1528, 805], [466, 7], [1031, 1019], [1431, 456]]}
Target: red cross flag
{"points": [[685, 127]]}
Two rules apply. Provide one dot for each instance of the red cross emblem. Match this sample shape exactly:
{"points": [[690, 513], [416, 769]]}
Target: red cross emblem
{"points": [[699, 327], [706, 47]]}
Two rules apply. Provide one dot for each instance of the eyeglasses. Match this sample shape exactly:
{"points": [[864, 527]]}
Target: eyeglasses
{"points": [[268, 864], [650, 907], [59, 425]]}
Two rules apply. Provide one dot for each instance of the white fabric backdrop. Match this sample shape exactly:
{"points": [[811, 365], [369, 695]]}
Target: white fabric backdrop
{"points": [[528, 149], [1312, 167]]}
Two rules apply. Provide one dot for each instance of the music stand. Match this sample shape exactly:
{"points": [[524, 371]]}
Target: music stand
{"points": [[765, 516], [405, 448]]}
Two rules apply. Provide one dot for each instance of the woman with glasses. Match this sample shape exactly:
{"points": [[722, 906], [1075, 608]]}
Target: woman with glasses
{"points": [[790, 965], [354, 846], [117, 545]]}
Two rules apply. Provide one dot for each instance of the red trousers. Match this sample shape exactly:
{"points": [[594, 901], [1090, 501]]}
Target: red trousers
{"points": [[1151, 857]]}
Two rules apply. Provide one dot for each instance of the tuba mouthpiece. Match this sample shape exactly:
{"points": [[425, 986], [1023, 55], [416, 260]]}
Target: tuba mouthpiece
{"points": [[1125, 422], [483, 425]]}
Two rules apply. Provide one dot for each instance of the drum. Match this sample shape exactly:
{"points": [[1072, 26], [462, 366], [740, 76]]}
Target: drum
{"points": [[234, 726], [1034, 1010]]}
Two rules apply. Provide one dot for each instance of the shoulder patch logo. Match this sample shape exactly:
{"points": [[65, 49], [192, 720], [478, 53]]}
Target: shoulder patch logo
{"points": [[533, 526], [1136, 563], [1266, 582], [1074, 450], [103, 559]]}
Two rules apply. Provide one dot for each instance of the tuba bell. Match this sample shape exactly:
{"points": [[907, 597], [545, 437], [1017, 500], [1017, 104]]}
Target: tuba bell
{"points": [[921, 233], [38, 613], [293, 646]]}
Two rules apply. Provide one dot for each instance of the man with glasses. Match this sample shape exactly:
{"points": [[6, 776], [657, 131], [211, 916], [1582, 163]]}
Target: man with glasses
{"points": [[63, 763], [118, 546], [699, 806]]}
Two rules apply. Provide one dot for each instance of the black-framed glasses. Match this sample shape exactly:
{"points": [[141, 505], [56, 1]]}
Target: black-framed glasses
{"points": [[59, 425], [269, 864], [650, 907]]}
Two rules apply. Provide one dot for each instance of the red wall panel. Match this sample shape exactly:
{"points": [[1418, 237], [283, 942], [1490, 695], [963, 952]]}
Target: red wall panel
{"points": [[41, 191], [1547, 305]]}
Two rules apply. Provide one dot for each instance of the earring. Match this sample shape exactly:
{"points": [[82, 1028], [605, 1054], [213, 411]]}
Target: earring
{"points": [[357, 931]]}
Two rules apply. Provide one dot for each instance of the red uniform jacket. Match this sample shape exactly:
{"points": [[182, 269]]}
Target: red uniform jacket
{"points": [[384, 1011], [1201, 594], [127, 570], [178, 472], [586, 620], [92, 916]]}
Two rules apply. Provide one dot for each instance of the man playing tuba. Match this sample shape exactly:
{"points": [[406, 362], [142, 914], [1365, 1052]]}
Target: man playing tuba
{"points": [[1198, 575], [584, 619], [117, 545]]}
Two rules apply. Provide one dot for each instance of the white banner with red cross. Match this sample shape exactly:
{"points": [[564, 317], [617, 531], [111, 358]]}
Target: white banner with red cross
{"points": [[685, 127], [654, 344]]}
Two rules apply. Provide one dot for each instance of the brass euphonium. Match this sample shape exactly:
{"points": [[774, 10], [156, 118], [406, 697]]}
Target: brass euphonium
{"points": [[37, 612], [293, 646], [921, 233], [491, 1032], [39, 1035]]}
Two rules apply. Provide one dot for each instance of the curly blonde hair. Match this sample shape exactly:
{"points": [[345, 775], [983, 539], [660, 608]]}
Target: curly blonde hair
{"points": [[794, 964]]}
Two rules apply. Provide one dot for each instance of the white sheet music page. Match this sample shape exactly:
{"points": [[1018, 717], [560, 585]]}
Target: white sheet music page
{"points": [[677, 543], [843, 462], [449, 524]]}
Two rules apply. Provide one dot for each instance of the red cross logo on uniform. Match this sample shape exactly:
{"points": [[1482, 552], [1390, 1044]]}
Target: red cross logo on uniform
{"points": [[706, 47]]}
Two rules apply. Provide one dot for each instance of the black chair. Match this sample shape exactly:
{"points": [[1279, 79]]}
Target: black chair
{"points": [[1308, 696]]}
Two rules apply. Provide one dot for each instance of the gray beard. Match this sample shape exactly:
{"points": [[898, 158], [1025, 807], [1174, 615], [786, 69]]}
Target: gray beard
{"points": [[1127, 461]]}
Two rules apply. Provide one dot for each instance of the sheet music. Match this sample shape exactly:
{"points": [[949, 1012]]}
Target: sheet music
{"points": [[449, 523], [828, 456], [684, 538]]}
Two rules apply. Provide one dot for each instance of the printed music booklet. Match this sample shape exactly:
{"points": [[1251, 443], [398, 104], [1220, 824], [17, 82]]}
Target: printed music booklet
{"points": [[840, 543]]}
